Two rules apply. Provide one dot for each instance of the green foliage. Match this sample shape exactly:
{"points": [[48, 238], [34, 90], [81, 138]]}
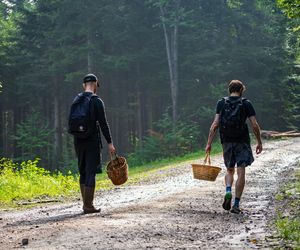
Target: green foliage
{"points": [[288, 226], [8, 32], [27, 181], [46, 47], [32, 136], [290, 7], [289, 230], [166, 142], [292, 106]]}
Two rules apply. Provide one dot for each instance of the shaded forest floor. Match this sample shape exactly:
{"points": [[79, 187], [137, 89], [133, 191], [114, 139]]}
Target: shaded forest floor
{"points": [[170, 212]]}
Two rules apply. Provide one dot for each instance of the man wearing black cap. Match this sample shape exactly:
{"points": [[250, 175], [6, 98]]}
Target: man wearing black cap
{"points": [[88, 148]]}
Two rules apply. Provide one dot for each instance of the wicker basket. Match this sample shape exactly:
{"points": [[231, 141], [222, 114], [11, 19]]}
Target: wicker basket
{"points": [[204, 171], [117, 170]]}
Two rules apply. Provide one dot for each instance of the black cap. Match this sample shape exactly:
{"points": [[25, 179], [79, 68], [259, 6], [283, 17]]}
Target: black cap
{"points": [[90, 78]]}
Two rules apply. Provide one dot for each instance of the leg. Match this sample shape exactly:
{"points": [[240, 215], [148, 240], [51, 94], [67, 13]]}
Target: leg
{"points": [[89, 191], [239, 187], [240, 183], [92, 161], [82, 190], [82, 178], [244, 158], [79, 149], [229, 177], [228, 182], [230, 161]]}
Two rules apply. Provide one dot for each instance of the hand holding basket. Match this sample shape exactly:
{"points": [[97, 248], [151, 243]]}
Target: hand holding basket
{"points": [[117, 170], [204, 171]]}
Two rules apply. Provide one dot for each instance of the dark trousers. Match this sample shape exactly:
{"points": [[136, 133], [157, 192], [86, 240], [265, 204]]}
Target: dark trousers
{"points": [[89, 160]]}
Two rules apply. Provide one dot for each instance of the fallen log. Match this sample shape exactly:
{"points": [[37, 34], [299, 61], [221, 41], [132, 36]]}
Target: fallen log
{"points": [[268, 134], [155, 134], [286, 135]]}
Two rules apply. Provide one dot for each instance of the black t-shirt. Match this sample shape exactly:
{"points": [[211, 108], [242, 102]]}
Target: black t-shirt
{"points": [[250, 111]]}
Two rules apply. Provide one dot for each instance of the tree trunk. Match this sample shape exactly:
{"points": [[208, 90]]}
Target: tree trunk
{"points": [[175, 65], [8, 124], [139, 107], [89, 56], [57, 145], [150, 113], [171, 42]]}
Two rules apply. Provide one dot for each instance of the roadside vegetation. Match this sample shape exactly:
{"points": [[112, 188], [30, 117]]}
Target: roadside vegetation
{"points": [[27, 181], [288, 213]]}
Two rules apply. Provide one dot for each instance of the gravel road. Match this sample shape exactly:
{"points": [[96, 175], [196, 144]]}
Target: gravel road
{"points": [[173, 212]]}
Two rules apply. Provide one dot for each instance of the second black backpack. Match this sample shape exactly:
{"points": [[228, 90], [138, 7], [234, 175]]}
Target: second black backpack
{"points": [[233, 118], [82, 122]]}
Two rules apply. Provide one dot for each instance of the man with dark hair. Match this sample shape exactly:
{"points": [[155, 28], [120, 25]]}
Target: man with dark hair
{"points": [[87, 138], [231, 115]]}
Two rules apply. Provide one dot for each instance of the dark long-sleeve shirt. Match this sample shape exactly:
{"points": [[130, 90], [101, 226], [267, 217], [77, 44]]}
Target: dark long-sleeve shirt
{"points": [[101, 118], [98, 110]]}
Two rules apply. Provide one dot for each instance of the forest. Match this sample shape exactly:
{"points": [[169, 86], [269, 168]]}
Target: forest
{"points": [[162, 65]]}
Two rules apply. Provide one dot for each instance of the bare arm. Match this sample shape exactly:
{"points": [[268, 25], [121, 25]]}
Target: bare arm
{"points": [[256, 131], [212, 132]]}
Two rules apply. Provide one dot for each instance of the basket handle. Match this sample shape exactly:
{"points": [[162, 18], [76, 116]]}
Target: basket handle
{"points": [[114, 157], [207, 159]]}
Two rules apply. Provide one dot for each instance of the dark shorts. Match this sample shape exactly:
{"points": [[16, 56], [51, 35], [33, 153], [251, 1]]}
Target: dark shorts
{"points": [[236, 153], [89, 160]]}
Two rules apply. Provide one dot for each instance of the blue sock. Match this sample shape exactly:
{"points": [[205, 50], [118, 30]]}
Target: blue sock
{"points": [[228, 189], [237, 202]]}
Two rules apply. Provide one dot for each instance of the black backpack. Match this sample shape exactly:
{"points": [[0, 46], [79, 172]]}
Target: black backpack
{"points": [[82, 123], [233, 118]]}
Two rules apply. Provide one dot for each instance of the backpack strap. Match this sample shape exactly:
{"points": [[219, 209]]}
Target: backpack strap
{"points": [[226, 100], [240, 99], [89, 96], [77, 97]]}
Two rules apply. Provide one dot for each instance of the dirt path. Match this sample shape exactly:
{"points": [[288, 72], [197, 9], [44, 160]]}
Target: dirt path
{"points": [[176, 213]]}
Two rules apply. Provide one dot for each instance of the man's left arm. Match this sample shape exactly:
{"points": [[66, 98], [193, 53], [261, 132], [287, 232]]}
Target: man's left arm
{"points": [[256, 131], [251, 114]]}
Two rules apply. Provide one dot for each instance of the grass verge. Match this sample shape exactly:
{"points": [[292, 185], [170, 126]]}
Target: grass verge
{"points": [[288, 213], [27, 181], [31, 183]]}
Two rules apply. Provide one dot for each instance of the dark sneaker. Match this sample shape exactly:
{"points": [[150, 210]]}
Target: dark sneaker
{"points": [[227, 201], [235, 210]]}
